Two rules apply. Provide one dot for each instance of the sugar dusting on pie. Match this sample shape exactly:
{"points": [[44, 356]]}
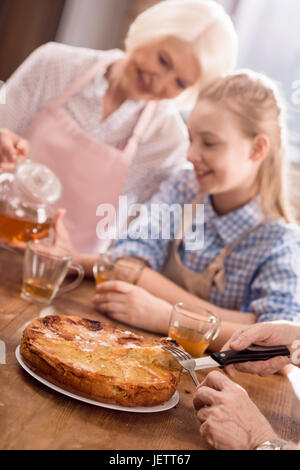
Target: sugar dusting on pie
{"points": [[100, 361]]}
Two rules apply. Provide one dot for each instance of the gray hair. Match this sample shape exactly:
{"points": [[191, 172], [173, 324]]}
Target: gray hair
{"points": [[204, 23]]}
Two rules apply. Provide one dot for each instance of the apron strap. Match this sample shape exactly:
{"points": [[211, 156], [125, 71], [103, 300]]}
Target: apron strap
{"points": [[229, 249], [216, 270], [142, 124], [143, 121], [76, 85]]}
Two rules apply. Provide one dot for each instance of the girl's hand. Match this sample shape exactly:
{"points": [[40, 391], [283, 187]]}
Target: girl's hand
{"points": [[132, 305], [12, 148], [229, 419]]}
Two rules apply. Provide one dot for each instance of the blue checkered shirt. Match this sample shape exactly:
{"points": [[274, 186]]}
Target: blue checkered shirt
{"points": [[263, 271]]}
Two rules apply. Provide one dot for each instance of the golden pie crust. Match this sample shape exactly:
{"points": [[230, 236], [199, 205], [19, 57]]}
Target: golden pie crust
{"points": [[100, 361]]}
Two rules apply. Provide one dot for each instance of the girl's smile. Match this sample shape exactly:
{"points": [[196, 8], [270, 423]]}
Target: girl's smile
{"points": [[202, 174]]}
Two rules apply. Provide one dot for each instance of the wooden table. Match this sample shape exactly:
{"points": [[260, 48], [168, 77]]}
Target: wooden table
{"points": [[33, 416]]}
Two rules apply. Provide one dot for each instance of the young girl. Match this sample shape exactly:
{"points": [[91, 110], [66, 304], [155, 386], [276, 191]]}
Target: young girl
{"points": [[249, 267]]}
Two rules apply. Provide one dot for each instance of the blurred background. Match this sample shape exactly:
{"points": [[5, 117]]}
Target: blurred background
{"points": [[268, 32]]}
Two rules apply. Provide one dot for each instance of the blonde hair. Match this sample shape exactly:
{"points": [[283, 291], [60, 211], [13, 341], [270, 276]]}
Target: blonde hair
{"points": [[256, 101], [204, 23]]}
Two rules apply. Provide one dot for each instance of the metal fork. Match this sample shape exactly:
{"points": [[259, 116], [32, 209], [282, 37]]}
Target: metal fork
{"points": [[181, 356]]}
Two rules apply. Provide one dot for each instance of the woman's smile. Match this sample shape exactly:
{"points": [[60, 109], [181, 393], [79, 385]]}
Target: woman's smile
{"points": [[160, 70], [141, 85]]}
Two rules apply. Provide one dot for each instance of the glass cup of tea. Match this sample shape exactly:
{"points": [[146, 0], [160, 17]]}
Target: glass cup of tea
{"points": [[193, 328], [128, 269], [44, 270], [103, 269]]}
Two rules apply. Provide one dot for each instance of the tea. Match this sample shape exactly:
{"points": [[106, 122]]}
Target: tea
{"points": [[14, 229], [192, 341], [45, 267], [103, 276], [38, 288]]}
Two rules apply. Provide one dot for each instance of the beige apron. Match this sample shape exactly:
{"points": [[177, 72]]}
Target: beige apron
{"points": [[199, 283]]}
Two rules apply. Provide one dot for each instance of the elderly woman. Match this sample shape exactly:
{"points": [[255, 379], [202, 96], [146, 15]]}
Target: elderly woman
{"points": [[103, 121]]}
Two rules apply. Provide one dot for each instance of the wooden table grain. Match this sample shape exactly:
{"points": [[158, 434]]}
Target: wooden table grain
{"points": [[33, 416]]}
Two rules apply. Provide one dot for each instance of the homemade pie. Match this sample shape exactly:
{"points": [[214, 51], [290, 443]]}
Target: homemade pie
{"points": [[100, 361]]}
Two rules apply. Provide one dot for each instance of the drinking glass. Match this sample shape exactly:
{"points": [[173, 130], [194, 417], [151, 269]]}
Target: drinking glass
{"points": [[44, 270], [128, 269], [108, 267], [103, 269], [193, 327]]}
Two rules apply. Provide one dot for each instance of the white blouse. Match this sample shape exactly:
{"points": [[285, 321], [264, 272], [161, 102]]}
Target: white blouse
{"points": [[46, 73]]}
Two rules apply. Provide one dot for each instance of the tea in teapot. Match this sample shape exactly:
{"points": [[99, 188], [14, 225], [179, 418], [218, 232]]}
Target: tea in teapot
{"points": [[27, 198]]}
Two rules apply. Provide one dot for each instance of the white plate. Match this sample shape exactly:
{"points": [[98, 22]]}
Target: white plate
{"points": [[137, 409]]}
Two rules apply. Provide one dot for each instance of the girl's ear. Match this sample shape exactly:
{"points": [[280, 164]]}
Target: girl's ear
{"points": [[260, 147]]}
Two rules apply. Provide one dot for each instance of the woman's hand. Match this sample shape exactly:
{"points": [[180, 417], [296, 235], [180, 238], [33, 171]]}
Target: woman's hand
{"points": [[62, 240], [12, 148], [264, 334], [133, 305], [229, 419], [61, 235]]}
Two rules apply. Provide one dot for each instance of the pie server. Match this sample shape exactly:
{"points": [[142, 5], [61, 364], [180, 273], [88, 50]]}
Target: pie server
{"points": [[225, 358]]}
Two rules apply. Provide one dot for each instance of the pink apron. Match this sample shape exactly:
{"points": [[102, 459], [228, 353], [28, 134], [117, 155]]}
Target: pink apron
{"points": [[91, 171]]}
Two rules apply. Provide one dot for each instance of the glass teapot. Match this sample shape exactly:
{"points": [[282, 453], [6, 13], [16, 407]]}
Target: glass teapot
{"points": [[27, 198]]}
